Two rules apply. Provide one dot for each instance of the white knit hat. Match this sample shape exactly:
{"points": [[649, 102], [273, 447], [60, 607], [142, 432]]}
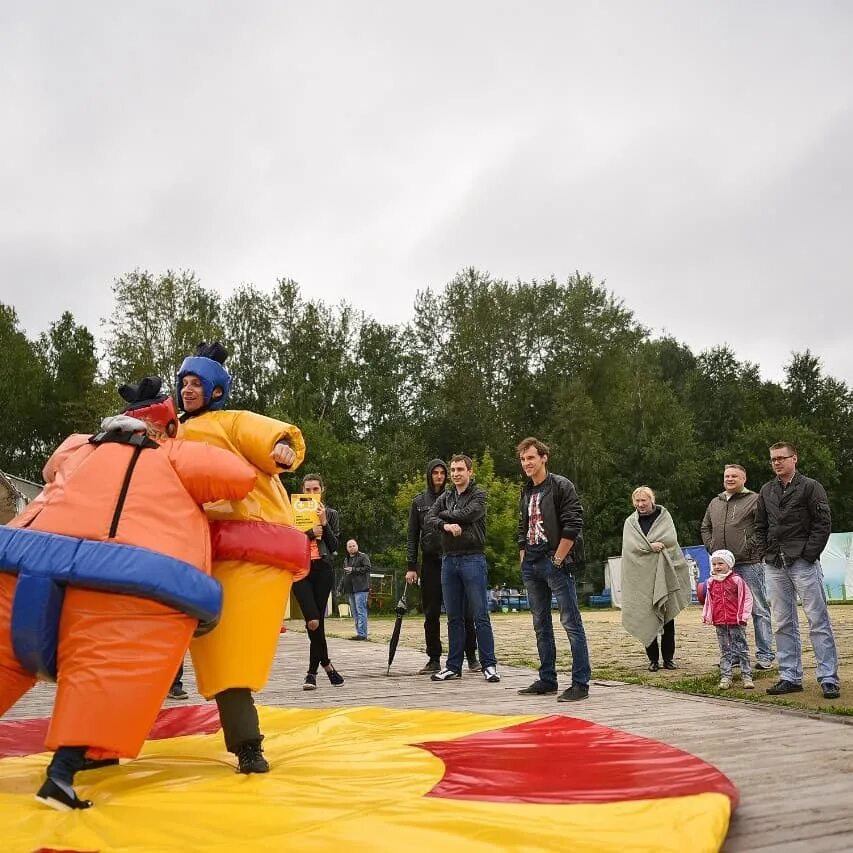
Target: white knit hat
{"points": [[726, 556]]}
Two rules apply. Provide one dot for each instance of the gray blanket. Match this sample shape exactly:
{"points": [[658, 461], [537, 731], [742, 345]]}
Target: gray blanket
{"points": [[655, 585]]}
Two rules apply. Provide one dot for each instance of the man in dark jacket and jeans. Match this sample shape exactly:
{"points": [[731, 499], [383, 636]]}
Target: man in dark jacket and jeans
{"points": [[460, 515], [550, 521], [792, 525], [430, 574], [356, 585]]}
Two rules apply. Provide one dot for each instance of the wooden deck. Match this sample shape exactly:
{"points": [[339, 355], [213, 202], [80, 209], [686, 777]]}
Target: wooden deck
{"points": [[794, 772]]}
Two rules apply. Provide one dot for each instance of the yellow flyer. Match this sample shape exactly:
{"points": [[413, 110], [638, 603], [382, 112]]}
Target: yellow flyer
{"points": [[305, 511]]}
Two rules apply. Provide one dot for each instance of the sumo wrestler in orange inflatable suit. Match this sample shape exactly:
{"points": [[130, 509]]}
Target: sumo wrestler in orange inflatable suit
{"points": [[105, 577], [257, 554]]}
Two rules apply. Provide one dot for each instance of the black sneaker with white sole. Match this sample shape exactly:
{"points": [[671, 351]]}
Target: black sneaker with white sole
{"points": [[58, 798], [490, 673], [446, 675]]}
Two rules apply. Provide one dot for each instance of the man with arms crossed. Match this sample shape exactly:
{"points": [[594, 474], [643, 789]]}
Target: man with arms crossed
{"points": [[460, 515], [429, 542]]}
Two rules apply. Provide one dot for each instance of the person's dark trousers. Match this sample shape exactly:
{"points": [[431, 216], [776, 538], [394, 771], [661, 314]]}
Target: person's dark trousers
{"points": [[667, 644], [66, 761], [463, 581], [178, 683], [541, 580], [239, 717], [321, 579], [431, 599]]}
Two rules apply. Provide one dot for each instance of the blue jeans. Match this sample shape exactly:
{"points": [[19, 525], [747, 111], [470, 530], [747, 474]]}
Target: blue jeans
{"points": [[463, 584], [784, 585], [541, 579], [733, 650], [358, 608], [753, 576]]}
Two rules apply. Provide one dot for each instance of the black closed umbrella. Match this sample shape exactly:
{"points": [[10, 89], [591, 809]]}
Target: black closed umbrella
{"points": [[401, 609]]}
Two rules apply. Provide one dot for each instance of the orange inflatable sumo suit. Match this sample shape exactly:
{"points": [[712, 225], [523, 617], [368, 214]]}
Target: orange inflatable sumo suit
{"points": [[118, 531]]}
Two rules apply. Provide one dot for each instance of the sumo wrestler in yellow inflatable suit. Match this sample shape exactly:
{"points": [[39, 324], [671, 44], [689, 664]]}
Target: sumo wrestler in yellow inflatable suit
{"points": [[257, 554]]}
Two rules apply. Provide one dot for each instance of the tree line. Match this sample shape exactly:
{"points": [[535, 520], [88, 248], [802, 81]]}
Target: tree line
{"points": [[480, 364]]}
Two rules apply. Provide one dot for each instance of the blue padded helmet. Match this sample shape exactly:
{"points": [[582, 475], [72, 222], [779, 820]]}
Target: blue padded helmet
{"points": [[207, 364]]}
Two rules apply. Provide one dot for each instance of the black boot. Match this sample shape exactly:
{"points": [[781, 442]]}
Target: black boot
{"points": [[250, 758], [55, 796]]}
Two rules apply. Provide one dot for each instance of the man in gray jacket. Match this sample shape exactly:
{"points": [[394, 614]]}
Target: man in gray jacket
{"points": [[792, 526], [729, 524]]}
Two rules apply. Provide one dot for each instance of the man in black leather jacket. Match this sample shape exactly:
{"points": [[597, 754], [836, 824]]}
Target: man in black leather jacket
{"points": [[792, 527], [429, 542], [460, 515], [550, 524]]}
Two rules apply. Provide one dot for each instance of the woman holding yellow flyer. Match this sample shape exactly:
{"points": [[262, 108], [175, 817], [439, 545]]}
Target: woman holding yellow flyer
{"points": [[321, 526]]}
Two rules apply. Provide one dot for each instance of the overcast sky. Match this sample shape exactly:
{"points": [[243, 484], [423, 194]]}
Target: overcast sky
{"points": [[695, 157]]}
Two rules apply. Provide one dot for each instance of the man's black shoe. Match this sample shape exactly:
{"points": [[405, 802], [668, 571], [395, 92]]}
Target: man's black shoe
{"points": [[654, 666], [574, 694], [250, 758], [56, 797], [474, 664], [178, 693], [781, 687], [432, 665], [539, 688], [668, 664], [830, 691]]}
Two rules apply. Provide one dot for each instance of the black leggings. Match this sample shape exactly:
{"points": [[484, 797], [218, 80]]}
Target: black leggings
{"points": [[667, 644], [320, 579], [239, 717]]}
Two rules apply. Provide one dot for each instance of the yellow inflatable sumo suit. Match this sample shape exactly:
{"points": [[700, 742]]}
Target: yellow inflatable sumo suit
{"points": [[257, 553]]}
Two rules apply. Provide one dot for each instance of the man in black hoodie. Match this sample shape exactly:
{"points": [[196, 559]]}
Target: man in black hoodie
{"points": [[430, 574]]}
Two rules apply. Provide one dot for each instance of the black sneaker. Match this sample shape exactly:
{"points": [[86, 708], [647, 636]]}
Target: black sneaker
{"points": [[654, 666], [52, 795], [432, 665], [474, 665], [830, 691], [574, 694], [539, 688], [668, 664], [335, 677], [178, 693], [445, 675], [781, 687], [250, 758], [310, 682]]}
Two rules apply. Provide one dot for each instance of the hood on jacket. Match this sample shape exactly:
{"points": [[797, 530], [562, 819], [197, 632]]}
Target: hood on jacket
{"points": [[742, 492], [433, 464]]}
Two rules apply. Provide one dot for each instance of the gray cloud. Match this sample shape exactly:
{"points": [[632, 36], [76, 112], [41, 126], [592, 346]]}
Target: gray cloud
{"points": [[696, 157]]}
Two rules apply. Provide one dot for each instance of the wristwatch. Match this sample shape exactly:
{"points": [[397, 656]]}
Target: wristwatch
{"points": [[557, 563]]}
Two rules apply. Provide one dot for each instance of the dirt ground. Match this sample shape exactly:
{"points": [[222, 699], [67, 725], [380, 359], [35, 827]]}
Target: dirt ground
{"points": [[617, 656]]}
